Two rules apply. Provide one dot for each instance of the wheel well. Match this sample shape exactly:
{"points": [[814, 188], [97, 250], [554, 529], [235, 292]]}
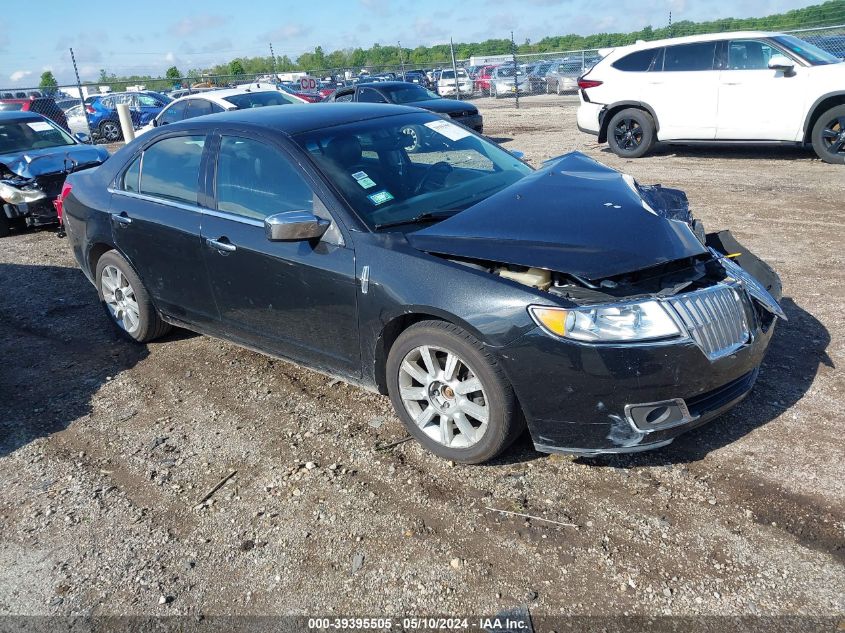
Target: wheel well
{"points": [[386, 340], [821, 107], [611, 112], [94, 255]]}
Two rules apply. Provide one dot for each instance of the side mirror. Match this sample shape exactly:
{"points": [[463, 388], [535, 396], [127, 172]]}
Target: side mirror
{"points": [[82, 137], [516, 153], [293, 226], [781, 62]]}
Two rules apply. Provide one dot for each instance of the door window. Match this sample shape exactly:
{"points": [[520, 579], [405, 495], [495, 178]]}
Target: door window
{"points": [[132, 175], [174, 113], [255, 180], [171, 168], [369, 95], [689, 57], [148, 102], [197, 107], [750, 55]]}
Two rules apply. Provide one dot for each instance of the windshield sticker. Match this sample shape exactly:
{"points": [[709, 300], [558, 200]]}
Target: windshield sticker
{"points": [[380, 197], [448, 129], [359, 175], [366, 183], [40, 126]]}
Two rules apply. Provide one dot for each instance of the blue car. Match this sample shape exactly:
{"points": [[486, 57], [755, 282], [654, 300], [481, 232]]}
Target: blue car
{"points": [[143, 106]]}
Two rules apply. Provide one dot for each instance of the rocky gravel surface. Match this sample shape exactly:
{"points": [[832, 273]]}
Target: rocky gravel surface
{"points": [[108, 453]]}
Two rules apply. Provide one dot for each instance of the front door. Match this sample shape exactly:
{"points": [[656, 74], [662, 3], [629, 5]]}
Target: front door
{"points": [[297, 299], [756, 102], [156, 224]]}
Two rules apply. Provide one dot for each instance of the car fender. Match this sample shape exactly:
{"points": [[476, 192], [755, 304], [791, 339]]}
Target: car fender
{"points": [[604, 119], [809, 120]]}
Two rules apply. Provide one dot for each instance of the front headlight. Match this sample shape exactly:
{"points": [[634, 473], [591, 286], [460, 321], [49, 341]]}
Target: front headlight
{"points": [[13, 195], [616, 323]]}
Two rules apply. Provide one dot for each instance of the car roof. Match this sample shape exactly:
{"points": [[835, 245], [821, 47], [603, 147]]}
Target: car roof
{"points": [[294, 118], [17, 116], [386, 84], [219, 95], [691, 39]]}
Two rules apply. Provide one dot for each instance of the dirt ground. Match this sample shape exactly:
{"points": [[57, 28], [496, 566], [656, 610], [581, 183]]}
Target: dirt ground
{"points": [[107, 448]]}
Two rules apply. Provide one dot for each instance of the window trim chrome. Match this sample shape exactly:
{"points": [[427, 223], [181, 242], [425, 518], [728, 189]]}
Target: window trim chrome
{"points": [[187, 207]]}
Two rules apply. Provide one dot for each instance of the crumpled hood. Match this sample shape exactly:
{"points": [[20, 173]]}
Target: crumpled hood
{"points": [[52, 160], [573, 216]]}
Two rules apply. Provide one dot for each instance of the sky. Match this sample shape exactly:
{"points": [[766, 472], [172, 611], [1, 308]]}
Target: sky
{"points": [[157, 34]]}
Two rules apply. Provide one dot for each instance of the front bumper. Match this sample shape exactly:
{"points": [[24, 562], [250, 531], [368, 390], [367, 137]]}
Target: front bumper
{"points": [[39, 213], [585, 399], [474, 122]]}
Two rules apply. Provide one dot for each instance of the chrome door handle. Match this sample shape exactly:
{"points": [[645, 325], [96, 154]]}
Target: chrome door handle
{"points": [[122, 220], [223, 247]]}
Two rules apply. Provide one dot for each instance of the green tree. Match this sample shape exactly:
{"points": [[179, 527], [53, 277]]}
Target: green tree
{"points": [[48, 81], [236, 67], [173, 73]]}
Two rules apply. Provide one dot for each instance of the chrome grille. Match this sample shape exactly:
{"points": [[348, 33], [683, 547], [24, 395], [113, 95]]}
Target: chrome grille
{"points": [[715, 318]]}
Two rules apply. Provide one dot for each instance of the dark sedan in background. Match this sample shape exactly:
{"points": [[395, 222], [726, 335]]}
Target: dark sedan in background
{"points": [[478, 293], [408, 94], [35, 156]]}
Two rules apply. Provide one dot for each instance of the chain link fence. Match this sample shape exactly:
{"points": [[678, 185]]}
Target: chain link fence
{"points": [[94, 113]]}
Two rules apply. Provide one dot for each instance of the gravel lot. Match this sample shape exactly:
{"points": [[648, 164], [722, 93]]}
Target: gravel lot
{"points": [[106, 449]]}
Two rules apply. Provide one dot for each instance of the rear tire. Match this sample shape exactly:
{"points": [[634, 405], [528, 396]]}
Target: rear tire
{"points": [[631, 133], [110, 131], [828, 136], [126, 301], [468, 413]]}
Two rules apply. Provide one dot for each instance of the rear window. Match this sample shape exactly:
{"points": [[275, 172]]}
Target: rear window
{"points": [[259, 99], [689, 57], [638, 62]]}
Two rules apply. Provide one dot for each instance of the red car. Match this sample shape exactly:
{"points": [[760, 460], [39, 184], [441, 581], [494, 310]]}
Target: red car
{"points": [[481, 83], [45, 106]]}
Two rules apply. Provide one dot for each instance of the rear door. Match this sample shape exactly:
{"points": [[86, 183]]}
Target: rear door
{"points": [[683, 90], [155, 217], [296, 299], [755, 102]]}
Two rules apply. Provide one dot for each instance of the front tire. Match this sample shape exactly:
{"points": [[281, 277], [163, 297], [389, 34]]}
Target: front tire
{"points": [[631, 133], [828, 136], [5, 225], [451, 394], [126, 301]]}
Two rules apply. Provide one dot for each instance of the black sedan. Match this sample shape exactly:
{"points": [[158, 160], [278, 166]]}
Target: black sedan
{"points": [[408, 94], [480, 294], [35, 156]]}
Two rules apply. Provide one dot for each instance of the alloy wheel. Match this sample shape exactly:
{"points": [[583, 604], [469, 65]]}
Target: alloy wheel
{"points": [[110, 130], [628, 134], [443, 396], [120, 299], [833, 136]]}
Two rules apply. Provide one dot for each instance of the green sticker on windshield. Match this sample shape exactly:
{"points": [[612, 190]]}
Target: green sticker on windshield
{"points": [[380, 197], [366, 183]]}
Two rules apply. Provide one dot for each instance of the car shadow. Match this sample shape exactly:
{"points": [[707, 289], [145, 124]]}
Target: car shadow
{"points": [[798, 347], [500, 139], [731, 152], [58, 348]]}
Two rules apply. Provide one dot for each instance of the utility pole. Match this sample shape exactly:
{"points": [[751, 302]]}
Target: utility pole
{"points": [[81, 96], [515, 71], [273, 57], [401, 60], [670, 24], [455, 70]]}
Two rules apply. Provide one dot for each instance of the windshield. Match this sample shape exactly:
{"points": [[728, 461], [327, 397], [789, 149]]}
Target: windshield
{"points": [[394, 169], [28, 135], [410, 94], [505, 71], [813, 55], [259, 99]]}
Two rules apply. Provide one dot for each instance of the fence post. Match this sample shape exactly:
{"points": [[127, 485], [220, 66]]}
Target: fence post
{"points": [[81, 97], [126, 122], [515, 71], [455, 70]]}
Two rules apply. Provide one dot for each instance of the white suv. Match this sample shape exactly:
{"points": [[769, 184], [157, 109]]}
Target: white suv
{"points": [[732, 87]]}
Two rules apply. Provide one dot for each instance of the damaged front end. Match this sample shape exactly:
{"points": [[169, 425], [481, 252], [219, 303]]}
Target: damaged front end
{"points": [[29, 199], [647, 326]]}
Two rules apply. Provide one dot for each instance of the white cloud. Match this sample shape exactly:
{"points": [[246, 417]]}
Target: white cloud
{"points": [[196, 24], [19, 74], [286, 32]]}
